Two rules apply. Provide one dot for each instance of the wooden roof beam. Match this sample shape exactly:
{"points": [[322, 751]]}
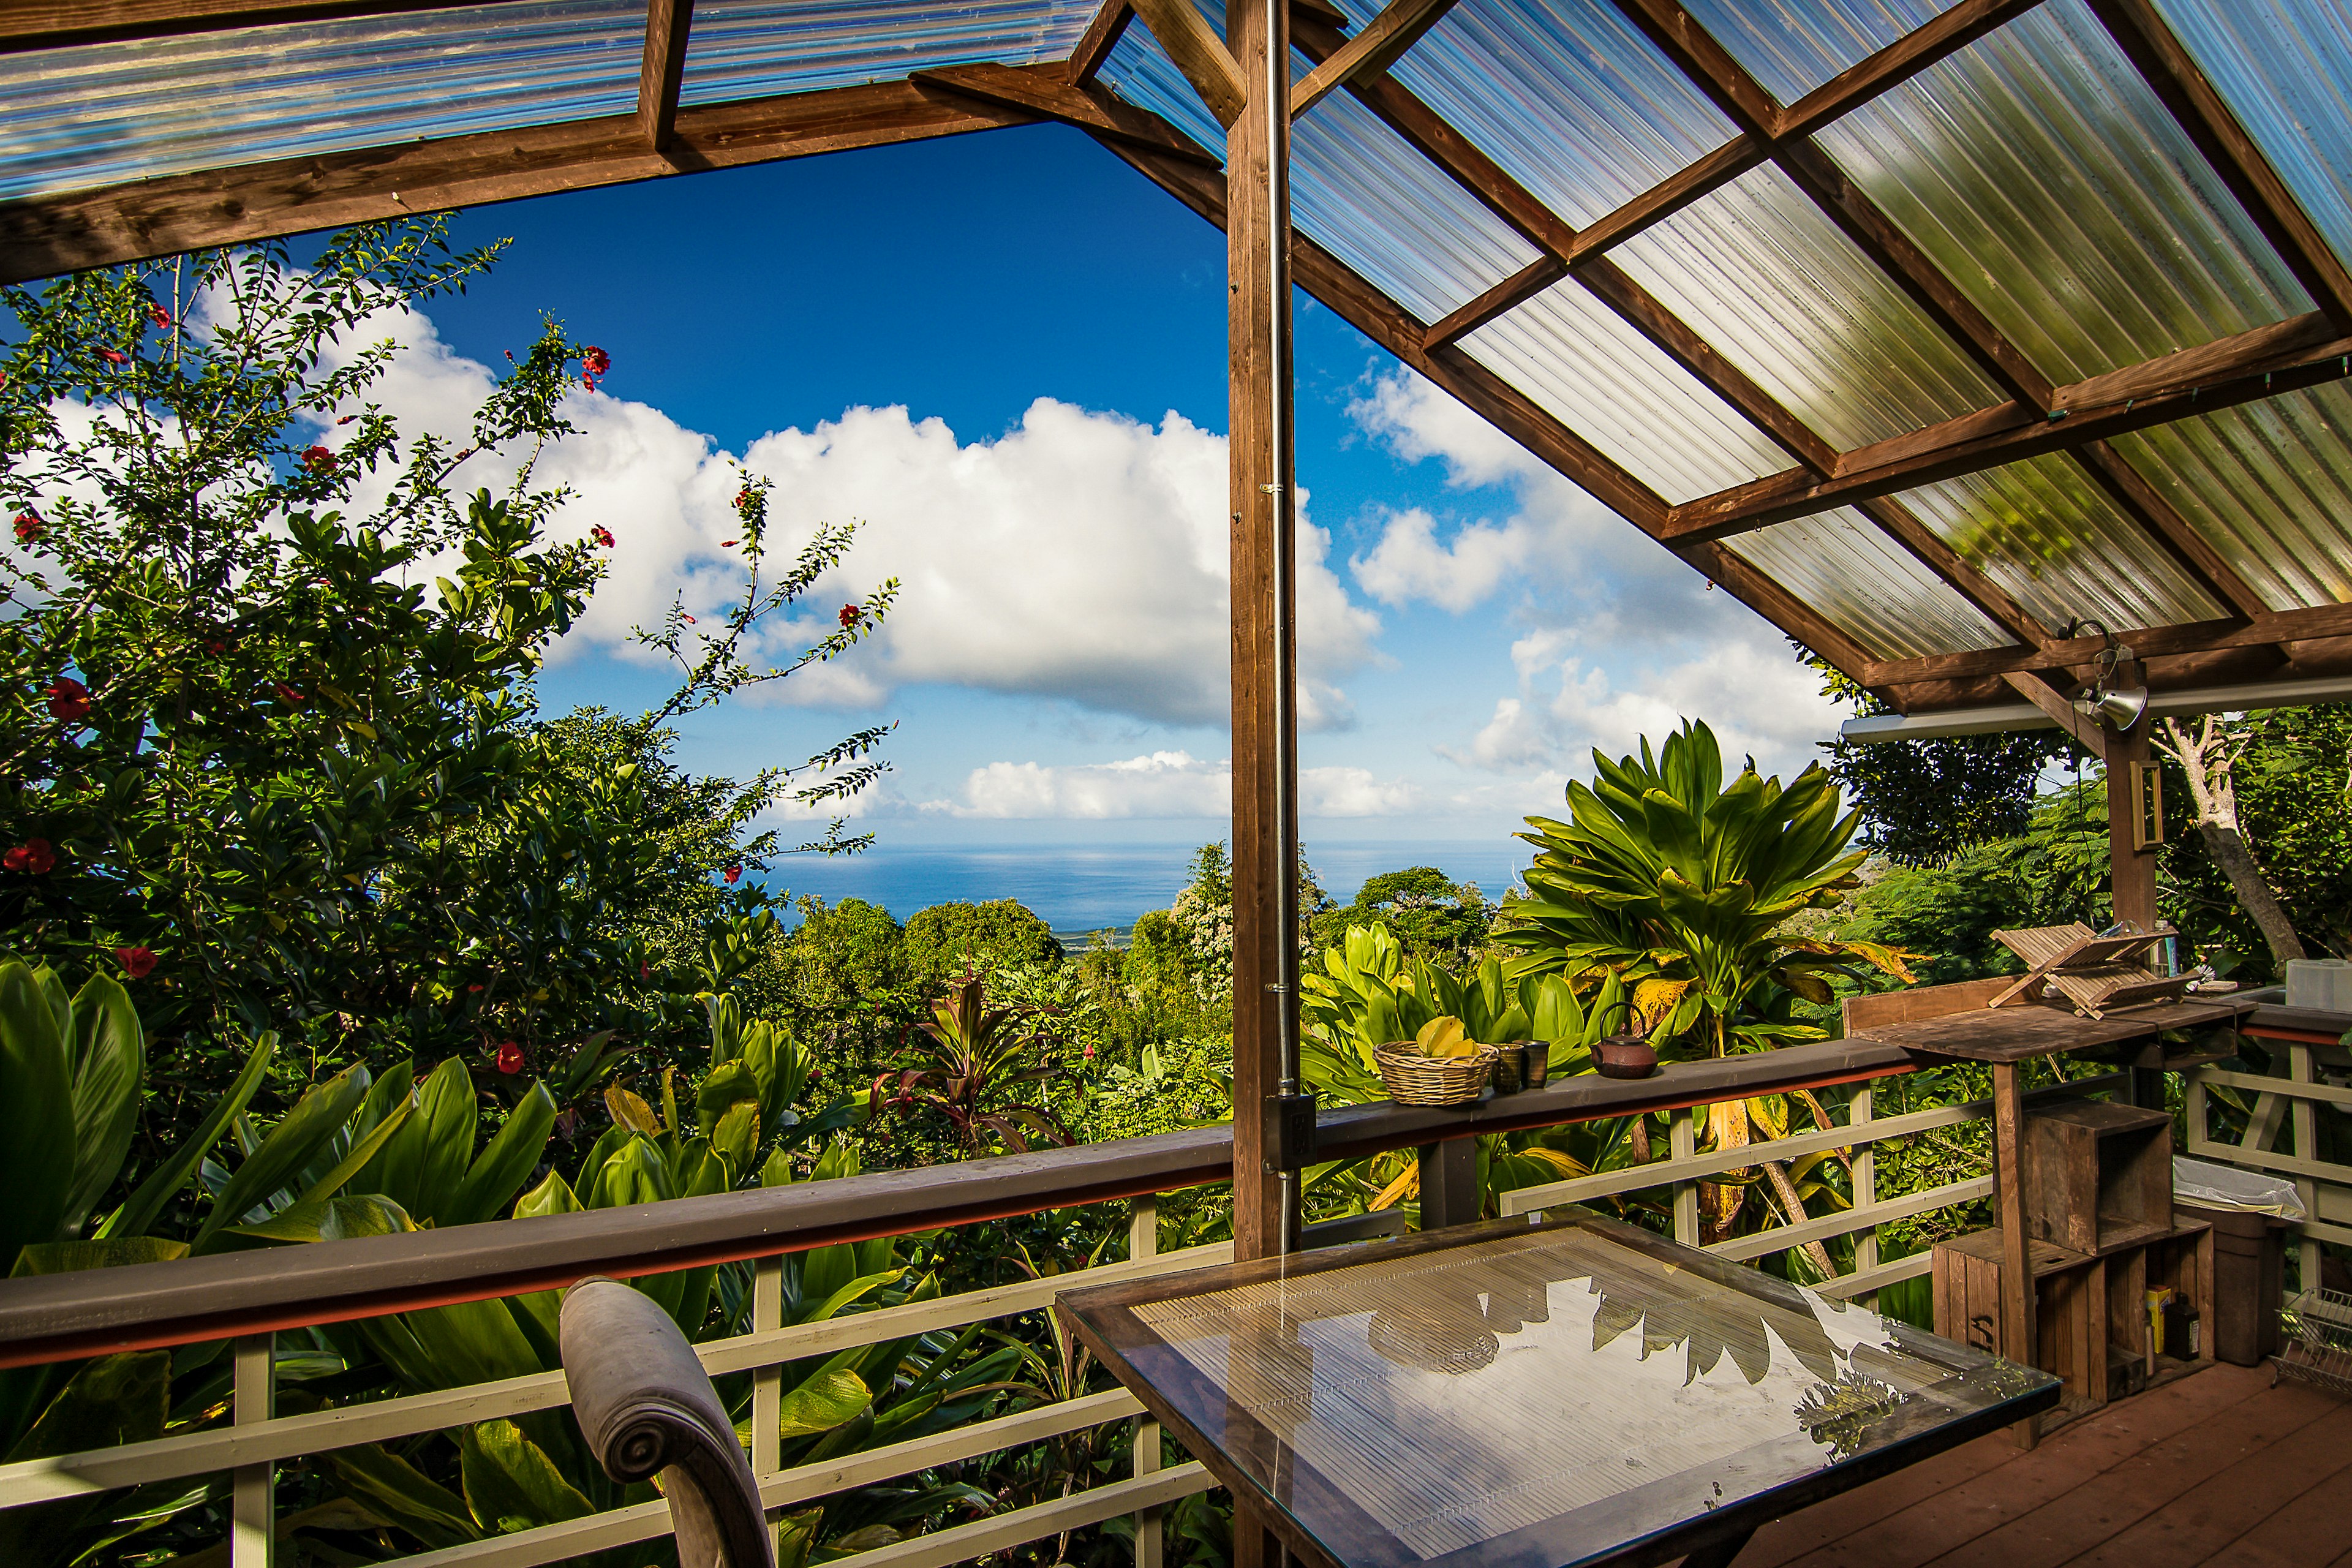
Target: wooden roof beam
{"points": [[667, 25], [45, 236], [1101, 36], [2260, 363], [47, 23], [2144, 35], [1371, 52], [2161, 520], [2269, 630], [1046, 92], [1199, 53]]}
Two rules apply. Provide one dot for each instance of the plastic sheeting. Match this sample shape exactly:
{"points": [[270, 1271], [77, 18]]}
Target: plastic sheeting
{"points": [[1868, 587], [101, 114], [2203, 1184], [752, 49]]}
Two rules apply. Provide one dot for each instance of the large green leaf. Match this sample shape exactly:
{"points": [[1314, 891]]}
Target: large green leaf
{"points": [[112, 1400], [36, 1147], [164, 1184], [394, 1488], [729, 1083], [511, 1484], [332, 1182], [494, 1179], [317, 1116], [329, 1219], [108, 1252], [110, 1065], [422, 1167], [831, 1396]]}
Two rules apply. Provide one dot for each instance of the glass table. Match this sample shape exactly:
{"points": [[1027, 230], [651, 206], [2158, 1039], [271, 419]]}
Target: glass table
{"points": [[1552, 1390]]}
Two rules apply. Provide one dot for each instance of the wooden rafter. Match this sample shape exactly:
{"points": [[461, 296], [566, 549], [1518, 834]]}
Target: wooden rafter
{"points": [[1928, 549], [1101, 36], [2129, 490], [667, 25], [2142, 32], [1199, 53], [45, 24], [46, 236], [2267, 631], [1371, 52], [1047, 95], [2244, 369]]}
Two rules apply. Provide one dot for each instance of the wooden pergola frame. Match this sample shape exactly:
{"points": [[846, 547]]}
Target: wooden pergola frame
{"points": [[55, 234]]}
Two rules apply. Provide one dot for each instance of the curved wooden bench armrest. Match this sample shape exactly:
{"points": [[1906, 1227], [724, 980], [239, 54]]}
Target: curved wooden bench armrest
{"points": [[646, 1406]]}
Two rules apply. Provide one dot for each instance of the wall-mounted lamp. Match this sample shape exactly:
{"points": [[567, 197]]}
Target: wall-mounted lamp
{"points": [[2108, 698]]}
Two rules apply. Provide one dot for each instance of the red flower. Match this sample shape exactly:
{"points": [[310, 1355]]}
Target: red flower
{"points": [[137, 962], [595, 360], [734, 874], [509, 1057], [162, 318], [319, 460], [602, 535], [28, 527], [34, 856], [726, 544], [645, 970], [690, 619], [476, 985], [747, 501], [849, 613], [114, 356], [1090, 1053], [69, 699], [589, 381], [347, 419], [286, 693]]}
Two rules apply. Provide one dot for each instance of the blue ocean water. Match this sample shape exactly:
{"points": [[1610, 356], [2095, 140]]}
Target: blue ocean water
{"points": [[1080, 889]]}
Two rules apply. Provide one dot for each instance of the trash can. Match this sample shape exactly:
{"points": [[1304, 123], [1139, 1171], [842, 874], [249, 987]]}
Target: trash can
{"points": [[2249, 1214]]}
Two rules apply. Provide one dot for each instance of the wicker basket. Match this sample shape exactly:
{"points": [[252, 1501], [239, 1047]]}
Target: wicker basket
{"points": [[1416, 1079]]}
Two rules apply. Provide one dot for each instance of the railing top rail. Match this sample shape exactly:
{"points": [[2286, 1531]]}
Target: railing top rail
{"points": [[66, 1316]]}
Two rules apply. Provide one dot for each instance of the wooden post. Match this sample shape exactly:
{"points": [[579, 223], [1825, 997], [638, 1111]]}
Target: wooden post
{"points": [[253, 1489], [1266, 756], [2017, 1331]]}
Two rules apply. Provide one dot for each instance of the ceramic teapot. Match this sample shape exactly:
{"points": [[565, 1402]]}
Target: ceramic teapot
{"points": [[1629, 1055]]}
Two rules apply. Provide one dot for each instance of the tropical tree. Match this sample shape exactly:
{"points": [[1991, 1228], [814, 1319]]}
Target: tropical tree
{"points": [[972, 1062]]}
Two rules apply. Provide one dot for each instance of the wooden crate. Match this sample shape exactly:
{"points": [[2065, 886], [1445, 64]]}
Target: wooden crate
{"points": [[2097, 1176], [2070, 1306]]}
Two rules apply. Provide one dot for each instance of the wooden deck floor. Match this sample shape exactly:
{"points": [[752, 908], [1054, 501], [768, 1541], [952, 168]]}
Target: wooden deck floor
{"points": [[2219, 1468]]}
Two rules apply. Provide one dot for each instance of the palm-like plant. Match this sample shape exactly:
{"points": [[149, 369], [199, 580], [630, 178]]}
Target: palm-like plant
{"points": [[1682, 890], [974, 1061]]}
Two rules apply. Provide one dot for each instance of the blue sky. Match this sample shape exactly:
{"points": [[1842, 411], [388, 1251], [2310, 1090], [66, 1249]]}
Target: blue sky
{"points": [[1474, 626]]}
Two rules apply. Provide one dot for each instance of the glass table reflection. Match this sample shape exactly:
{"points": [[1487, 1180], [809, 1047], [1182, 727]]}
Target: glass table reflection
{"points": [[1553, 1390]]}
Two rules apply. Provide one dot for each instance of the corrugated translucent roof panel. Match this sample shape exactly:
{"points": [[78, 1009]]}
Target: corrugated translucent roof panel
{"points": [[1780, 293], [1868, 587], [101, 114], [2060, 546], [2269, 484], [2041, 173], [1360, 189], [752, 49], [1566, 95], [1794, 46], [2286, 73], [1140, 71], [1605, 382]]}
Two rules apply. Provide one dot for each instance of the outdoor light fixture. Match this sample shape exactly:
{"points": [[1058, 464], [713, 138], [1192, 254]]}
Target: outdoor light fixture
{"points": [[2121, 706]]}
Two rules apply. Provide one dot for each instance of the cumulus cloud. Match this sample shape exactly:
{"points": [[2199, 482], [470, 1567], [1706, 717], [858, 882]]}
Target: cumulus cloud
{"points": [[1079, 555], [1161, 784]]}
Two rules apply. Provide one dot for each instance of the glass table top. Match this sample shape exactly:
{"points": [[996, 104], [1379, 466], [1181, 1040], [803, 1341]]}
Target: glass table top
{"points": [[1553, 1390]]}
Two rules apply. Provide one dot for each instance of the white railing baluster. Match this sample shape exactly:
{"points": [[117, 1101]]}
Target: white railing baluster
{"points": [[1143, 1241], [1682, 1143], [1865, 1188], [253, 1501], [2305, 1117], [768, 1382]]}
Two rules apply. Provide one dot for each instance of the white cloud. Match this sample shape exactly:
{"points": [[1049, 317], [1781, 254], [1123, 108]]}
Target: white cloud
{"points": [[1161, 784], [1080, 555]]}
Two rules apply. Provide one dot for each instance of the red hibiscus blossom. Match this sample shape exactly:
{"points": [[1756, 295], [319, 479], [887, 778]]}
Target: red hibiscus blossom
{"points": [[286, 693], [595, 360], [139, 963], [114, 356], [69, 699], [28, 527], [34, 856], [589, 381], [849, 613], [602, 535], [319, 460], [1090, 1053], [726, 544], [509, 1057], [734, 874], [162, 318]]}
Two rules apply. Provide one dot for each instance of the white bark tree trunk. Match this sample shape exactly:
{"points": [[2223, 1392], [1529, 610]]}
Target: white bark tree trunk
{"points": [[2206, 755]]}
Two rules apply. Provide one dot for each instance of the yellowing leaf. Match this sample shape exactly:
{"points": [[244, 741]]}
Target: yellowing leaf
{"points": [[822, 1403], [630, 1112], [1655, 998]]}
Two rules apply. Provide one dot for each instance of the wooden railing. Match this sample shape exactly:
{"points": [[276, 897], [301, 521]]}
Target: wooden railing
{"points": [[245, 1299], [2288, 1100]]}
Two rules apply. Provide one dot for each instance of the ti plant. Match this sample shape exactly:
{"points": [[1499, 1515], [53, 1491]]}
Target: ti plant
{"points": [[974, 1060]]}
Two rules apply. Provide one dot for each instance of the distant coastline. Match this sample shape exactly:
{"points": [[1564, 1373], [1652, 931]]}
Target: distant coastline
{"points": [[1078, 889]]}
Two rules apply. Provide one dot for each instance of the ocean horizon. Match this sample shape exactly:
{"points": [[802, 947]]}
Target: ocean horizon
{"points": [[1078, 889]]}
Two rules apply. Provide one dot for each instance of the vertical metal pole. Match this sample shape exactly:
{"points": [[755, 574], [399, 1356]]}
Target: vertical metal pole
{"points": [[253, 1495], [1866, 1189], [1682, 1143], [1143, 1241], [2131, 870], [767, 1382]]}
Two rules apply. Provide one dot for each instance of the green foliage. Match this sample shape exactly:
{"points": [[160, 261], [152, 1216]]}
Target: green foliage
{"points": [[1680, 888], [973, 1061], [1429, 912], [946, 939]]}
